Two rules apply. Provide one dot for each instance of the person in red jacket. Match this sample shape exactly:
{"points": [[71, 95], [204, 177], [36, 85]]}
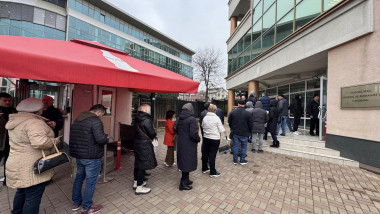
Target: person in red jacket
{"points": [[169, 138]]}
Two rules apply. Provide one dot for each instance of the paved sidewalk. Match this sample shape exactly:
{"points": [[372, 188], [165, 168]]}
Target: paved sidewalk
{"points": [[270, 183]]}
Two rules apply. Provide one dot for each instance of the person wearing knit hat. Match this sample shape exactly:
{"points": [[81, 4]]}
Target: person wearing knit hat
{"points": [[187, 144], [28, 135]]}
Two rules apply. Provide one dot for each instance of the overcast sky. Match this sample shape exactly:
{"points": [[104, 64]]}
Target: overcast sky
{"points": [[194, 23]]}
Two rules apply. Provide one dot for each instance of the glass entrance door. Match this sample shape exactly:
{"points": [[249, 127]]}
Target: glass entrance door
{"points": [[322, 108]]}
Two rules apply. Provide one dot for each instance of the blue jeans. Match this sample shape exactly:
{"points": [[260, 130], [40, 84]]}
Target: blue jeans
{"points": [[88, 169], [289, 124], [235, 149], [282, 125], [27, 200]]}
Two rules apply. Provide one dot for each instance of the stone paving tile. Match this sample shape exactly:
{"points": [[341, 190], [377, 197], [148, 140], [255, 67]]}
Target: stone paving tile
{"points": [[270, 183]]}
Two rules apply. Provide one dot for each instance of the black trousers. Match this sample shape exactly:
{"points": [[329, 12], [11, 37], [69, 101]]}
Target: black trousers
{"points": [[296, 122], [4, 154], [138, 175], [209, 154], [185, 176], [314, 123]]}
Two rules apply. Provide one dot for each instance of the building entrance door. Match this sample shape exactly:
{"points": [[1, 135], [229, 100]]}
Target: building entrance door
{"points": [[322, 107], [107, 97]]}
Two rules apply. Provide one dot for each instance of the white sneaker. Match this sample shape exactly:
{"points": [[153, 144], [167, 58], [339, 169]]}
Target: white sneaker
{"points": [[297, 133], [142, 190], [2, 179], [135, 184]]}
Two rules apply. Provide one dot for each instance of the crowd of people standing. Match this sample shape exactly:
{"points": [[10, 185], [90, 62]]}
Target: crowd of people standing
{"points": [[250, 120]]}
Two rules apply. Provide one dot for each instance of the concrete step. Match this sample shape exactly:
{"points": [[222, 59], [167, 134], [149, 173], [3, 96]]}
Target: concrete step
{"points": [[310, 149], [313, 156], [306, 142]]}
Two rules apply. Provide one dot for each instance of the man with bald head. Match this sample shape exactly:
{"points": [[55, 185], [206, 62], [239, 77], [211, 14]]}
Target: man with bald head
{"points": [[53, 114]]}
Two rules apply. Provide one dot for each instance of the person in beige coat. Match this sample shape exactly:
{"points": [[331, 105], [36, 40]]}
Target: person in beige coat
{"points": [[28, 134]]}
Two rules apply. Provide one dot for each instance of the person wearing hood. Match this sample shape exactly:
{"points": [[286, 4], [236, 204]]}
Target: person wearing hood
{"points": [[283, 111], [249, 106], [272, 123], [265, 100], [212, 128], [187, 145], [259, 119], [87, 140], [145, 158], [297, 111], [252, 98], [28, 135]]}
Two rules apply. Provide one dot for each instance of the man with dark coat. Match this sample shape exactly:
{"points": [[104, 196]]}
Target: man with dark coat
{"points": [[252, 98], [297, 111], [187, 144], [87, 139], [53, 114], [313, 111], [259, 119], [5, 110], [272, 123], [283, 111], [203, 115], [220, 114], [240, 122], [265, 100]]}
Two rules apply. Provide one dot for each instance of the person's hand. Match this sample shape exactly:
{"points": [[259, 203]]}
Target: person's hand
{"points": [[311, 116], [58, 139], [51, 124]]}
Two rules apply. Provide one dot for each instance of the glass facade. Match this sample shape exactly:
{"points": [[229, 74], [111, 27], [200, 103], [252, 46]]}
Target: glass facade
{"points": [[25, 20], [307, 89], [29, 29], [79, 29], [95, 13], [273, 21]]}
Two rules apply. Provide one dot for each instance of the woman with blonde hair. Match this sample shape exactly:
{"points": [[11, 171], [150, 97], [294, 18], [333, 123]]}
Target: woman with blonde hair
{"points": [[145, 158], [212, 129], [28, 135]]}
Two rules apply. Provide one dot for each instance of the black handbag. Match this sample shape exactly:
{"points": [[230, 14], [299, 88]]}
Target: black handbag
{"points": [[46, 163]]}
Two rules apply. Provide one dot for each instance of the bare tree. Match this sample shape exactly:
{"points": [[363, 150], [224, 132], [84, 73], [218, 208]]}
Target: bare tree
{"points": [[209, 69]]}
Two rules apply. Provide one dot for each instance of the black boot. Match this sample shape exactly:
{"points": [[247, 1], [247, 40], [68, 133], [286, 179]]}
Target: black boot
{"points": [[188, 182], [184, 186], [273, 144], [277, 144]]}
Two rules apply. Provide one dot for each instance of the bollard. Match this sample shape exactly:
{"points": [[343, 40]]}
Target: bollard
{"points": [[325, 129], [118, 155]]}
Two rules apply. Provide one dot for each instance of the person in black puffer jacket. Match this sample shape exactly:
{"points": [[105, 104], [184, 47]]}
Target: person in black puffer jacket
{"points": [[187, 144], [145, 158], [87, 140]]}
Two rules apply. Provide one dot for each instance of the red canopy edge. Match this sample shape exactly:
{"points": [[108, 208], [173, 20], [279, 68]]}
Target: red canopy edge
{"points": [[70, 62]]}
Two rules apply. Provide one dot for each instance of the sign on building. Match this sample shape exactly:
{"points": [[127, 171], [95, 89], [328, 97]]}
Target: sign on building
{"points": [[361, 96]]}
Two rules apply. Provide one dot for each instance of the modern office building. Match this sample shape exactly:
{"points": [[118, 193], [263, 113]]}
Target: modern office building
{"points": [[94, 20], [325, 47]]}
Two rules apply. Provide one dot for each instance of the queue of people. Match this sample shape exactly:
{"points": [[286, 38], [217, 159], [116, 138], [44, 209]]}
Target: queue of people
{"points": [[87, 138]]}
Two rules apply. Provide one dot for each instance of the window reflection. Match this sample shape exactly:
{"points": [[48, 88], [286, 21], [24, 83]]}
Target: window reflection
{"points": [[273, 21]]}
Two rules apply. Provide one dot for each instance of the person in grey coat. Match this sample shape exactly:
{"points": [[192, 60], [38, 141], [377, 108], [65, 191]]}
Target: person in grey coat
{"points": [[283, 113], [260, 119], [187, 144]]}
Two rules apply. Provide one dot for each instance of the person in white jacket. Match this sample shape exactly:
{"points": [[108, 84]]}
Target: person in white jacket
{"points": [[212, 129]]}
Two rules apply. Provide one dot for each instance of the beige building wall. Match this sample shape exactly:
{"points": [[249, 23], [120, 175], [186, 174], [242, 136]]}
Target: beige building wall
{"points": [[354, 63]]}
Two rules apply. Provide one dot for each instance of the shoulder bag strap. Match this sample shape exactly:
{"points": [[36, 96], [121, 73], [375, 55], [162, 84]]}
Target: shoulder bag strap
{"points": [[143, 132]]}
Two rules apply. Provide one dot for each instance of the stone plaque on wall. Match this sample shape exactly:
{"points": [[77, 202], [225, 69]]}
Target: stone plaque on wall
{"points": [[361, 96]]}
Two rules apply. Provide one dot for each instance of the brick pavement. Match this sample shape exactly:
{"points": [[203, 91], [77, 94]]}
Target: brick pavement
{"points": [[270, 183]]}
